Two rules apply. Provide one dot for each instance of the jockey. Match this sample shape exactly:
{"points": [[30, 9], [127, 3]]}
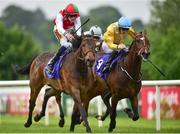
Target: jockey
{"points": [[96, 32], [114, 38], [66, 20]]}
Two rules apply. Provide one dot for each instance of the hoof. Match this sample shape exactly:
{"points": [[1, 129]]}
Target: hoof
{"points": [[61, 123], [129, 112], [110, 130], [27, 124], [37, 118], [135, 118], [89, 130]]}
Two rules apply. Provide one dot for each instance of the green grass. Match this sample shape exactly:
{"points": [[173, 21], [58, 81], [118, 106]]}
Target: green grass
{"points": [[14, 124]]}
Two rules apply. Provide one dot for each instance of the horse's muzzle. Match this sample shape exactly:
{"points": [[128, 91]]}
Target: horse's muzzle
{"points": [[145, 55], [89, 63]]}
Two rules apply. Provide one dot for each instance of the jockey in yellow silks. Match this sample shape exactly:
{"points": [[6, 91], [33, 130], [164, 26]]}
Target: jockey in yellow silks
{"points": [[114, 38]]}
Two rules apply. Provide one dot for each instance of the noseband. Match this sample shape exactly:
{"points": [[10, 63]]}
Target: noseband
{"points": [[84, 54]]}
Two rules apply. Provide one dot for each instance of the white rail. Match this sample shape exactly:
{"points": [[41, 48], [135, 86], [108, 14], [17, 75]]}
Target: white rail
{"points": [[156, 83]]}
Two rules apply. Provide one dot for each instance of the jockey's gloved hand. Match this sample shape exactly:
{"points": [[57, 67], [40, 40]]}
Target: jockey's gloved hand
{"points": [[121, 46], [69, 37]]}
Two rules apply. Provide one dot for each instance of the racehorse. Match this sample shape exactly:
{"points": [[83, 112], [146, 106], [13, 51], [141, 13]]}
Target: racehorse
{"points": [[99, 88], [124, 79], [74, 78], [124, 82]]}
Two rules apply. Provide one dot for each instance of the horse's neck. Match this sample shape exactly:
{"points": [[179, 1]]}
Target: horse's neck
{"points": [[132, 64], [81, 67]]}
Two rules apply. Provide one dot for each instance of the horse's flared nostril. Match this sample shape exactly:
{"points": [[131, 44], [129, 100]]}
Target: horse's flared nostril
{"points": [[145, 55]]}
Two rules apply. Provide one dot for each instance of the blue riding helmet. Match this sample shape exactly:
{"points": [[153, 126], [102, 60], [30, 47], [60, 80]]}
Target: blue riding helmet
{"points": [[124, 22]]}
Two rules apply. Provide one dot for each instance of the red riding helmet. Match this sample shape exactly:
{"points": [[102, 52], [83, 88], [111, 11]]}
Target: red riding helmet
{"points": [[71, 9]]}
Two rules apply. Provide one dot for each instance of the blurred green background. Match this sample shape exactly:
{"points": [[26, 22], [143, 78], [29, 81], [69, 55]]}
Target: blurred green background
{"points": [[24, 34]]}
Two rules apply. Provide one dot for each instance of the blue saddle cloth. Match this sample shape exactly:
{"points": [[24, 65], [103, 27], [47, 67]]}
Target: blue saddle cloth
{"points": [[101, 61], [56, 67]]}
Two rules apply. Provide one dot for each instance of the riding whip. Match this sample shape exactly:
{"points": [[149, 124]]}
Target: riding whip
{"points": [[156, 68], [82, 25]]}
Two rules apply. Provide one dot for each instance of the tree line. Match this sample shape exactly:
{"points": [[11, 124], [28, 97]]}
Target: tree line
{"points": [[25, 34]]}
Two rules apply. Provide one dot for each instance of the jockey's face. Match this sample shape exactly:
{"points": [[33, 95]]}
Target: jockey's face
{"points": [[123, 30], [72, 18]]}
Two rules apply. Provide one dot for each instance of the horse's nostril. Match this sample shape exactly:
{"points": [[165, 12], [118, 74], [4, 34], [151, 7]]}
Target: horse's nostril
{"points": [[145, 55]]}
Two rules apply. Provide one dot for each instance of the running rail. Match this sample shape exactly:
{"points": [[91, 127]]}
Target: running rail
{"points": [[156, 83]]}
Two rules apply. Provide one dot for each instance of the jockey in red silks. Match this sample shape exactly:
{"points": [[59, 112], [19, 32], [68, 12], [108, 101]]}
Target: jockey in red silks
{"points": [[66, 19]]}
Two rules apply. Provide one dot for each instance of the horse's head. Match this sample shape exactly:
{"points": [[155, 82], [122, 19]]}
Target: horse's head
{"points": [[87, 50], [141, 46]]}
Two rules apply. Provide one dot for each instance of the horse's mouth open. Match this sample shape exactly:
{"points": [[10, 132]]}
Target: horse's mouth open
{"points": [[145, 56]]}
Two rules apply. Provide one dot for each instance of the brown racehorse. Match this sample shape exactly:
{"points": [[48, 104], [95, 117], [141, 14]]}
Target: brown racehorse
{"points": [[124, 79], [124, 82], [74, 79], [99, 88]]}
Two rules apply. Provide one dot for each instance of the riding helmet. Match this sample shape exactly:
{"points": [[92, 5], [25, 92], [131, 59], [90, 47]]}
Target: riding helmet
{"points": [[124, 22]]}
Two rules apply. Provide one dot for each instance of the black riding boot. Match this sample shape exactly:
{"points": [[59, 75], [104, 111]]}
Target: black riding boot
{"points": [[55, 58], [107, 65]]}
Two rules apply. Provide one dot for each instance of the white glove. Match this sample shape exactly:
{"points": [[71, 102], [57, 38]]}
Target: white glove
{"points": [[69, 36], [69, 44], [121, 46]]}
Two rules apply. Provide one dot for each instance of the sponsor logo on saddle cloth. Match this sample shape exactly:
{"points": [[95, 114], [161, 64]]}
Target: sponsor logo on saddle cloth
{"points": [[101, 61], [56, 68]]}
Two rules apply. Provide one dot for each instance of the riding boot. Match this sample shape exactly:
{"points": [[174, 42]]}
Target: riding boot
{"points": [[55, 58], [107, 65]]}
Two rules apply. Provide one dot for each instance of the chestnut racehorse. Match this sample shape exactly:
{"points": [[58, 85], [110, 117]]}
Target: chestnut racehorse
{"points": [[74, 79], [124, 80]]}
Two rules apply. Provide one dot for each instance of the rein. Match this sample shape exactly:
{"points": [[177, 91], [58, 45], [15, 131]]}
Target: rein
{"points": [[126, 72]]}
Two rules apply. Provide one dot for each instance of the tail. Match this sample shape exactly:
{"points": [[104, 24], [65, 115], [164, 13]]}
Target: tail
{"points": [[22, 70]]}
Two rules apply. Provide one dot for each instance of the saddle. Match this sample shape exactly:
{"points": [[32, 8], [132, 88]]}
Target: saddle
{"points": [[101, 61], [57, 66]]}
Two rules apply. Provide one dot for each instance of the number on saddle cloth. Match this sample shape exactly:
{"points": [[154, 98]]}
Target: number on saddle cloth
{"points": [[101, 61]]}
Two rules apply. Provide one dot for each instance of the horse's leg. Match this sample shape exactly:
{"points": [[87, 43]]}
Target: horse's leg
{"points": [[129, 112], [86, 106], [33, 96], [75, 118], [76, 97], [58, 100], [112, 124], [134, 104], [105, 97], [48, 93]]}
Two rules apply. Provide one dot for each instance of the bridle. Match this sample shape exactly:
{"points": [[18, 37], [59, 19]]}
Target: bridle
{"points": [[86, 53], [139, 53]]}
